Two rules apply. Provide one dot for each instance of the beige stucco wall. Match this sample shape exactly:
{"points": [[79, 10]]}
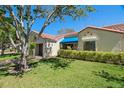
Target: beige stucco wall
{"points": [[55, 48], [105, 40], [50, 48], [48, 51]]}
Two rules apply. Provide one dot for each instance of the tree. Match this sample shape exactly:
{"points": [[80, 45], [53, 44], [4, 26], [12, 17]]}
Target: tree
{"points": [[25, 16], [4, 34], [64, 31], [4, 39]]}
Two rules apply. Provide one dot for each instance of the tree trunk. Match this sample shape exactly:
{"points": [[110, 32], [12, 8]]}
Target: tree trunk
{"points": [[2, 51], [23, 62], [23, 66]]}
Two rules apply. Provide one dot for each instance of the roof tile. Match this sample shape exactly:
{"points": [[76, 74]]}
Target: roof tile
{"points": [[56, 38], [119, 27]]}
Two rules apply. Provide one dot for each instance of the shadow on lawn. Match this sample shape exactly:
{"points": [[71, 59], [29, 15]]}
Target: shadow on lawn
{"points": [[8, 55], [109, 77], [4, 72], [55, 63]]}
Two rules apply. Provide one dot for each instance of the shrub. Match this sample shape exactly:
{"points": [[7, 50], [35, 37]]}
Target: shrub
{"points": [[31, 48], [32, 45], [105, 57]]}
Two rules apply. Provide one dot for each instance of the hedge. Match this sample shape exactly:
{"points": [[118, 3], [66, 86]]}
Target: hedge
{"points": [[105, 57]]}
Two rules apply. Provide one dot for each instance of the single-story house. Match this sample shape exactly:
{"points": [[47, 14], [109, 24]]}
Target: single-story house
{"points": [[109, 38], [48, 45]]}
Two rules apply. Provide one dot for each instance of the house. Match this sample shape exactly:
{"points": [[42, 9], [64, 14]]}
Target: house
{"points": [[49, 45], [109, 38]]}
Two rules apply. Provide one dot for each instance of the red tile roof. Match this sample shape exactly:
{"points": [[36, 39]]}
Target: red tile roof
{"points": [[66, 35], [56, 38], [118, 28], [47, 36]]}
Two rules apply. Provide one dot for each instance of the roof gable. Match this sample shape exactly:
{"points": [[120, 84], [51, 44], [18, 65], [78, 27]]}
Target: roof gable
{"points": [[107, 28]]}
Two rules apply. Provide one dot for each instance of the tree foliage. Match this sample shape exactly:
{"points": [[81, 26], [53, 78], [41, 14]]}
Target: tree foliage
{"points": [[6, 29]]}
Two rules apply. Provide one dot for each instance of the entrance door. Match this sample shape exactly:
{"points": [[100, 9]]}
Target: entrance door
{"points": [[40, 49]]}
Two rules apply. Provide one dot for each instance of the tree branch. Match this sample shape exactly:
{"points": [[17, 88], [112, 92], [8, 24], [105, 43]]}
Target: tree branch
{"points": [[16, 21], [12, 41], [12, 14], [21, 9], [46, 23], [13, 44], [29, 20]]}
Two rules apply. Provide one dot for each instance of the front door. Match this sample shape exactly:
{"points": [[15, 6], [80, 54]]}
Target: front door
{"points": [[40, 49]]}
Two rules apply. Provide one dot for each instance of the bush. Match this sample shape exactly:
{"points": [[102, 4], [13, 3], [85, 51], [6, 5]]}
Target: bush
{"points": [[105, 57], [32, 45], [31, 48]]}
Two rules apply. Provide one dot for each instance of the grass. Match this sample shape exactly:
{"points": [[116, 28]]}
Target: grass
{"points": [[8, 56], [66, 73]]}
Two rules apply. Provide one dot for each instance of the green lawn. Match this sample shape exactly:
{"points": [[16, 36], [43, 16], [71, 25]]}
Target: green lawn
{"points": [[8, 56], [60, 72]]}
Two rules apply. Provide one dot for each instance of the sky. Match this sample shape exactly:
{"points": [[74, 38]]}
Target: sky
{"points": [[103, 16]]}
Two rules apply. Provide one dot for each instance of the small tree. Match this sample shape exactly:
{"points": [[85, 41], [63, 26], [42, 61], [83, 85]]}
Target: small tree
{"points": [[25, 16]]}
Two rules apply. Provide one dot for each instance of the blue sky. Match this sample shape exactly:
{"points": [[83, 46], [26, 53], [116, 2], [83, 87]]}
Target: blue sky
{"points": [[104, 15]]}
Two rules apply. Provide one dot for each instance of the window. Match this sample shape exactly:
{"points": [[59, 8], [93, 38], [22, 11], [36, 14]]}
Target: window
{"points": [[89, 45], [72, 46]]}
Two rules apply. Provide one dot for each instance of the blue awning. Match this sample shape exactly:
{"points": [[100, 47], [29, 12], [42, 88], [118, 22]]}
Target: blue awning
{"points": [[69, 39]]}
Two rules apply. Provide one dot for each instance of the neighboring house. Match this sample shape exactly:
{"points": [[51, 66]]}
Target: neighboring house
{"points": [[109, 38], [48, 45]]}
